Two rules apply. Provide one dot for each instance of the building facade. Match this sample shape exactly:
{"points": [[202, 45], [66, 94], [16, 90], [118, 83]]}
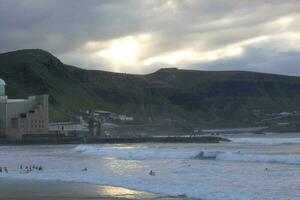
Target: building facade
{"points": [[20, 117]]}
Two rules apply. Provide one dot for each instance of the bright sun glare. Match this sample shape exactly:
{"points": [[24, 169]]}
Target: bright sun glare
{"points": [[122, 51]]}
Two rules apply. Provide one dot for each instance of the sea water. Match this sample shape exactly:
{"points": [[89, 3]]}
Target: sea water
{"points": [[250, 167]]}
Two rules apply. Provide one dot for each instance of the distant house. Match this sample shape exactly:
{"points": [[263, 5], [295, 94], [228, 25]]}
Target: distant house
{"points": [[102, 114], [107, 115], [22, 117], [125, 118]]}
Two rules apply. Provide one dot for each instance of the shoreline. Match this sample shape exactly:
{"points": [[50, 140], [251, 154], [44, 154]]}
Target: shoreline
{"points": [[15, 188]]}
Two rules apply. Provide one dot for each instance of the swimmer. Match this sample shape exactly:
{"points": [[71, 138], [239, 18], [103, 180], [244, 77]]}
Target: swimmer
{"points": [[152, 173]]}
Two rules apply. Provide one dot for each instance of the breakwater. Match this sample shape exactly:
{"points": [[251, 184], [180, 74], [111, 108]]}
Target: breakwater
{"points": [[119, 140]]}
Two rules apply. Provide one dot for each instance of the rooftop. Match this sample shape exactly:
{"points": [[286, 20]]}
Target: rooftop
{"points": [[16, 100]]}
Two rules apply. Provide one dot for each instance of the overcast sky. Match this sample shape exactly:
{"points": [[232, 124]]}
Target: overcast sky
{"points": [[141, 36]]}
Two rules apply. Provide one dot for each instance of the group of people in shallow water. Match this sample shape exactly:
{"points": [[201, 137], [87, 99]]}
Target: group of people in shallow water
{"points": [[29, 168], [3, 169]]}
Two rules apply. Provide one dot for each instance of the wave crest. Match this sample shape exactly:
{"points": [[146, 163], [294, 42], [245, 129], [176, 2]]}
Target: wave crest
{"points": [[134, 154], [266, 141], [231, 156], [148, 153]]}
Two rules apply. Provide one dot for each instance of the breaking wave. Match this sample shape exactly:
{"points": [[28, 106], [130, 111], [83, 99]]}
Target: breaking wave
{"points": [[135, 153], [267, 141], [146, 153], [231, 156]]}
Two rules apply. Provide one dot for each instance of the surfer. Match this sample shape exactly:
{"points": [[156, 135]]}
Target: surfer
{"points": [[152, 173], [84, 169]]}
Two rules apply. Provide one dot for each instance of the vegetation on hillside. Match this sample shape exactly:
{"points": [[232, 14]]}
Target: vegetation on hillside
{"points": [[224, 98]]}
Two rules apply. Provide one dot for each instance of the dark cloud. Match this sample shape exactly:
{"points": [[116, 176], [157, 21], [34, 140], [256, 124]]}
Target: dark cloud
{"points": [[76, 30]]}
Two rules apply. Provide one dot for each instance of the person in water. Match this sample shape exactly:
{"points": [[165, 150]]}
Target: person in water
{"points": [[5, 169], [0, 169], [152, 173], [84, 169]]}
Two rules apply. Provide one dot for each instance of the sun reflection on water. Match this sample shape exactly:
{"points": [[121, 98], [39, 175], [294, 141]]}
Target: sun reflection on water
{"points": [[119, 192]]}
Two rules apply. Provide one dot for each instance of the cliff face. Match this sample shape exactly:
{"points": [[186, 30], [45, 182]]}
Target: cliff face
{"points": [[205, 97]]}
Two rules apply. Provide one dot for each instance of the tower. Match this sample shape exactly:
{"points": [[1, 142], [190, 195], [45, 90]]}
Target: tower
{"points": [[2, 108], [2, 88]]}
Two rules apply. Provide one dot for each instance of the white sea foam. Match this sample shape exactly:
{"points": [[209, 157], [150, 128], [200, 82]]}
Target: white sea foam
{"points": [[267, 141], [148, 154], [236, 156], [134, 154], [205, 178]]}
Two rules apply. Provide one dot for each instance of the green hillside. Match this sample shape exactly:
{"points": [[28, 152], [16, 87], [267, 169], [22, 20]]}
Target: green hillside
{"points": [[204, 97]]}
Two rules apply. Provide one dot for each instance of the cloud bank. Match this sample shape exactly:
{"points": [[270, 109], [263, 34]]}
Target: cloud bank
{"points": [[140, 36]]}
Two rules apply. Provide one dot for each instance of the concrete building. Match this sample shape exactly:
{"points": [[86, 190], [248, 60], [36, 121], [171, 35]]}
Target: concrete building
{"points": [[75, 128], [22, 117]]}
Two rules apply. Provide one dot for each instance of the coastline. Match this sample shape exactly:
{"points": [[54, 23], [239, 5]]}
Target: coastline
{"points": [[16, 189]]}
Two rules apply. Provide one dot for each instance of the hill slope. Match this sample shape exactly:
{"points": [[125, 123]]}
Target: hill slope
{"points": [[210, 98]]}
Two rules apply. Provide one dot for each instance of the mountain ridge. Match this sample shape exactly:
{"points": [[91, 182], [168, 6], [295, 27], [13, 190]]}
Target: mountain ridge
{"points": [[211, 98]]}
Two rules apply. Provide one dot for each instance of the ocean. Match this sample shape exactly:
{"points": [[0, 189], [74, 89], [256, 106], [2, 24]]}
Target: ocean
{"points": [[250, 167]]}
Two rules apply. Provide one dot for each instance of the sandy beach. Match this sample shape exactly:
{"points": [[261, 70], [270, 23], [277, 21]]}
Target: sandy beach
{"points": [[11, 189]]}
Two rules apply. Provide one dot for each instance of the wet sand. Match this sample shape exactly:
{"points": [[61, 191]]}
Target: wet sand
{"points": [[11, 189]]}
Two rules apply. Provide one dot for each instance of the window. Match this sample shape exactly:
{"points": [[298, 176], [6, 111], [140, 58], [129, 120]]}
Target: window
{"points": [[14, 123]]}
